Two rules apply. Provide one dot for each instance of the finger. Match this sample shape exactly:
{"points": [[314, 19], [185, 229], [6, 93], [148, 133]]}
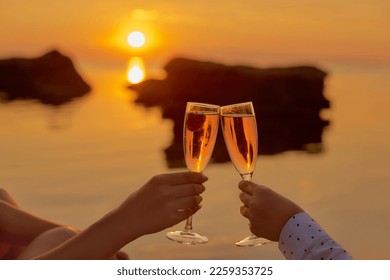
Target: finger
{"points": [[244, 211], [251, 188], [187, 202], [187, 190], [183, 214], [180, 178], [246, 199], [245, 186]]}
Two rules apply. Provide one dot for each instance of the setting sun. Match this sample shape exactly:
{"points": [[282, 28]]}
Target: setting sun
{"points": [[136, 39]]}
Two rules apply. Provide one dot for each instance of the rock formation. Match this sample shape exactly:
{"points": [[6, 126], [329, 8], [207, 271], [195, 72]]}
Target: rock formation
{"points": [[287, 102], [51, 79]]}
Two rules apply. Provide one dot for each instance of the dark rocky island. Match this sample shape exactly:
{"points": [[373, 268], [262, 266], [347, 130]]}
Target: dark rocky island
{"points": [[51, 79], [287, 102]]}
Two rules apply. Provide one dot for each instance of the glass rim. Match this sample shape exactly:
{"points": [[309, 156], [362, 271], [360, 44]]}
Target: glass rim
{"points": [[203, 104], [236, 104]]}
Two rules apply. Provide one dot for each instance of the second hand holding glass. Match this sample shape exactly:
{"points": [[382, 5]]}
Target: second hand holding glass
{"points": [[240, 133], [199, 135]]}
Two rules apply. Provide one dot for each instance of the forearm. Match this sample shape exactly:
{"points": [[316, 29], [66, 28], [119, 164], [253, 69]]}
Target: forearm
{"points": [[18, 226], [101, 240]]}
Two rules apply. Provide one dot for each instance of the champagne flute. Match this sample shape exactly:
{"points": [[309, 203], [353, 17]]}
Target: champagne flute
{"points": [[199, 136], [240, 133]]}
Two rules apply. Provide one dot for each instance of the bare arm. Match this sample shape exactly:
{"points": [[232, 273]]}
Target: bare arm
{"points": [[20, 227], [162, 202]]}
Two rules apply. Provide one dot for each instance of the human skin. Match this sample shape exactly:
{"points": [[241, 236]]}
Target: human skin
{"points": [[266, 210], [163, 201]]}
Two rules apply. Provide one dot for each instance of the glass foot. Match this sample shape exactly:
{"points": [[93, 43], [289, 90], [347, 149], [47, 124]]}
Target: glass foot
{"points": [[187, 237], [252, 240]]}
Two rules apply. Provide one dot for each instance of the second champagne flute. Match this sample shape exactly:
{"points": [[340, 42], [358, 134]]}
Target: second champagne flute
{"points": [[240, 133], [199, 135]]}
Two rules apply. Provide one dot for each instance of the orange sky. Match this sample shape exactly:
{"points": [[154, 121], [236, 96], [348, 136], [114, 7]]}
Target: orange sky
{"points": [[245, 31]]}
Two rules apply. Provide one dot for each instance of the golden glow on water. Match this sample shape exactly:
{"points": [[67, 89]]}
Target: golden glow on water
{"points": [[110, 147], [136, 70]]}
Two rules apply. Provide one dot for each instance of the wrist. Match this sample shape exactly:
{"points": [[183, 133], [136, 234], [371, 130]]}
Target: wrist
{"points": [[290, 217], [124, 226]]}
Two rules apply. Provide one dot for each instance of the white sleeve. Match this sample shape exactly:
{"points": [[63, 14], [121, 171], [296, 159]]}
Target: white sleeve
{"points": [[303, 239]]}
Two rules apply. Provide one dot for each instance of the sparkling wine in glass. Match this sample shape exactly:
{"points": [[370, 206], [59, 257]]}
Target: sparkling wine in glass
{"points": [[240, 134], [199, 135]]}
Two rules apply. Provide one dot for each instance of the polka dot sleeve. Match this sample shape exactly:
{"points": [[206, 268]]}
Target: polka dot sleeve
{"points": [[303, 239]]}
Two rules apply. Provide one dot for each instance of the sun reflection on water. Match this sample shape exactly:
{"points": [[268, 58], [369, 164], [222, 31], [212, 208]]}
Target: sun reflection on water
{"points": [[135, 70]]}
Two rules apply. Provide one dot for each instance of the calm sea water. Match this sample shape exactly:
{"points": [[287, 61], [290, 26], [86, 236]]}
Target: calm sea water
{"points": [[76, 162]]}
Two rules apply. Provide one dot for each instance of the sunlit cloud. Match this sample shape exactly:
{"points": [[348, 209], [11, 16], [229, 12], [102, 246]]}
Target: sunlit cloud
{"points": [[143, 15]]}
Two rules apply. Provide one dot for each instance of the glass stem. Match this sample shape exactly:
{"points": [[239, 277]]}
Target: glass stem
{"points": [[247, 177], [188, 226]]}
